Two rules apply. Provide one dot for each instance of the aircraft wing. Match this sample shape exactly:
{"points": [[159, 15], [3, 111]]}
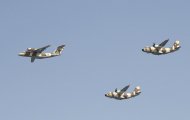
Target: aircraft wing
{"points": [[125, 89], [163, 43], [39, 50]]}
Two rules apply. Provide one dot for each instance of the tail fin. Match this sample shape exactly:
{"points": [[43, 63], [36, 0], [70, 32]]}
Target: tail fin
{"points": [[136, 91], [59, 50], [176, 45]]}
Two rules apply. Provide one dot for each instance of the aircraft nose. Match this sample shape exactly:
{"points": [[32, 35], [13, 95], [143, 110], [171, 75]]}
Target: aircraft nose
{"points": [[105, 95], [21, 54], [143, 50]]}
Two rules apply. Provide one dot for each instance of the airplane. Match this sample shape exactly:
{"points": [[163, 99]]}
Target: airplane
{"points": [[122, 94], [160, 49], [37, 53]]}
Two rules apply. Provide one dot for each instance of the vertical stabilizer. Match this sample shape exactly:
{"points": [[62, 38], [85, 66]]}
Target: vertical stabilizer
{"points": [[59, 50], [136, 91], [176, 45]]}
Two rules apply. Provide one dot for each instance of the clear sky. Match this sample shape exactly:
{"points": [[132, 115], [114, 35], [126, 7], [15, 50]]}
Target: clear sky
{"points": [[103, 41]]}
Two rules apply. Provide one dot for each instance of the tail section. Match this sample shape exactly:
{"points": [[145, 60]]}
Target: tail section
{"points": [[176, 45], [136, 91], [59, 50]]}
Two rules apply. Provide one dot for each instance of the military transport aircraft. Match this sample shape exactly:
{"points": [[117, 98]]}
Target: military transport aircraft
{"points": [[37, 53], [160, 49], [122, 94]]}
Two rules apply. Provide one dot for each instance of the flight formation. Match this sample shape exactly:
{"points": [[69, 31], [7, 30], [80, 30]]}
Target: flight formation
{"points": [[155, 49]]}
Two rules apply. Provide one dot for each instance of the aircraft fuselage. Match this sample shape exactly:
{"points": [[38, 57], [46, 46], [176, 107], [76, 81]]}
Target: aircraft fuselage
{"points": [[122, 96], [161, 51], [37, 55]]}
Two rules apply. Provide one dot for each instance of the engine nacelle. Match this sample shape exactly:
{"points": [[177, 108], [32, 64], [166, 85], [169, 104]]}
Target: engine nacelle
{"points": [[30, 49], [117, 91]]}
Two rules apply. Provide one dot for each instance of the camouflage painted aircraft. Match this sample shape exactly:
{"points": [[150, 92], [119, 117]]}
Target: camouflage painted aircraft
{"points": [[37, 53], [160, 49], [122, 94]]}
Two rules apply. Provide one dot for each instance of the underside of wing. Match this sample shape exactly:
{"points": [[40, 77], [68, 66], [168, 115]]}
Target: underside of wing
{"points": [[39, 50], [125, 88], [163, 43]]}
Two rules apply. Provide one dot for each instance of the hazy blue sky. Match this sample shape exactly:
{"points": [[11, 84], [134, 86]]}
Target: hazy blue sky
{"points": [[103, 41]]}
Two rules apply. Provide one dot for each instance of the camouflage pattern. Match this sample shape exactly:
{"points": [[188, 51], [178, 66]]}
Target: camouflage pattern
{"points": [[124, 95], [38, 54], [161, 50]]}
